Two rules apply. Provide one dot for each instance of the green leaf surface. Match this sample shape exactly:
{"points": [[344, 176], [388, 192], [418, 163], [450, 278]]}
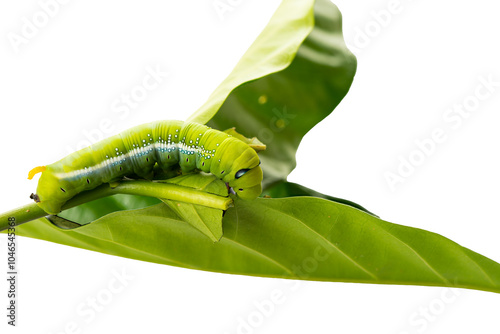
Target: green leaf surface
{"points": [[280, 108], [254, 142], [300, 237], [88, 212], [207, 220], [289, 189], [273, 50], [201, 181]]}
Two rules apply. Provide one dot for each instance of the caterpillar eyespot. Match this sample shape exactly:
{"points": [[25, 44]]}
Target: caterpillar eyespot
{"points": [[212, 151], [241, 172]]}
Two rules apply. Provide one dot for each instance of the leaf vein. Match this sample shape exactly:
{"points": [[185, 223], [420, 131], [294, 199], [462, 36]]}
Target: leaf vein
{"points": [[418, 255], [329, 242], [253, 250]]}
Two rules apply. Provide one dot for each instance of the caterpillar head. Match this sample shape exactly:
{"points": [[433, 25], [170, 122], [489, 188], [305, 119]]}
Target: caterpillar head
{"points": [[244, 175], [247, 183], [51, 192]]}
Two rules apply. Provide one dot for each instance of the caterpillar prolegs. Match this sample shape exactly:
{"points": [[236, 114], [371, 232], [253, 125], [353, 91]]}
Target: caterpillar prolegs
{"points": [[168, 144]]}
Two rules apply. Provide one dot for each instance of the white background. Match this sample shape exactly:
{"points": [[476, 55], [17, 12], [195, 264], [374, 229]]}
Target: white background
{"points": [[412, 66]]}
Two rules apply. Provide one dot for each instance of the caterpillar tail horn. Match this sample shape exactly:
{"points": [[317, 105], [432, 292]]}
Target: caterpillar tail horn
{"points": [[35, 171]]}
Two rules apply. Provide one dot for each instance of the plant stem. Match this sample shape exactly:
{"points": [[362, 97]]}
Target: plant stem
{"points": [[174, 192], [22, 215], [162, 190]]}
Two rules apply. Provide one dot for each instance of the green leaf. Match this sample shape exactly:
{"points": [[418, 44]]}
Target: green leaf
{"points": [[301, 237], [201, 181], [254, 142], [273, 50], [206, 220], [88, 212], [290, 189], [280, 107]]}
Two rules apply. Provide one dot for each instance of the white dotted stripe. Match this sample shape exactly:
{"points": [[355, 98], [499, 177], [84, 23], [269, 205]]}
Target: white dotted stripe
{"points": [[136, 152]]}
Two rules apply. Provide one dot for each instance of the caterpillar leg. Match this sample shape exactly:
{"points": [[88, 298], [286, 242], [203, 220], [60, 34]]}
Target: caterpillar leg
{"points": [[35, 198], [114, 184]]}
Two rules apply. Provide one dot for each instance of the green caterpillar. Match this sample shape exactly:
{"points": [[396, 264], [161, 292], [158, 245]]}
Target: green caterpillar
{"points": [[168, 144]]}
